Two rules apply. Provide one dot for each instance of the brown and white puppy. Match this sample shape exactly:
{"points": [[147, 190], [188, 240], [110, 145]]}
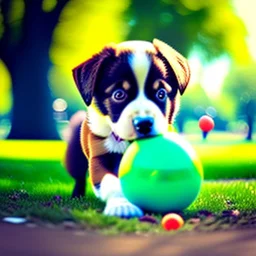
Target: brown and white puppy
{"points": [[131, 91]]}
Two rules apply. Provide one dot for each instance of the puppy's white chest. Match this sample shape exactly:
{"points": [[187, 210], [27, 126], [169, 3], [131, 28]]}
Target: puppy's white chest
{"points": [[114, 145]]}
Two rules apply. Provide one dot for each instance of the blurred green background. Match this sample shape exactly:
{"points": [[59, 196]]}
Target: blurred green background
{"points": [[42, 40]]}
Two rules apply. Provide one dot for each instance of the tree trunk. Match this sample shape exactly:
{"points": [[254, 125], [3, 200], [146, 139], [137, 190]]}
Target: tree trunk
{"points": [[250, 128], [32, 113], [250, 109], [27, 59], [180, 121]]}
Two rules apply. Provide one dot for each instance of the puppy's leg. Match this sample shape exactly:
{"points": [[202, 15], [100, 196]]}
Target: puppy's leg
{"points": [[76, 162], [110, 191], [79, 188], [106, 184]]}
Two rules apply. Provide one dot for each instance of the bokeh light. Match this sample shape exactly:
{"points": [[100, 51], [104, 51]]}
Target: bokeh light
{"points": [[211, 111], [59, 105]]}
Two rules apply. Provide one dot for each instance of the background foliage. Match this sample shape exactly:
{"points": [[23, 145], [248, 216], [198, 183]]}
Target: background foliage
{"points": [[57, 35]]}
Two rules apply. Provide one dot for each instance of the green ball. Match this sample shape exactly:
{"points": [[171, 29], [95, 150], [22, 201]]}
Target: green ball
{"points": [[161, 174]]}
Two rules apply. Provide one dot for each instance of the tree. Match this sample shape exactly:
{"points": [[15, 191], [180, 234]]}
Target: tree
{"points": [[55, 34], [240, 86], [211, 26], [24, 48]]}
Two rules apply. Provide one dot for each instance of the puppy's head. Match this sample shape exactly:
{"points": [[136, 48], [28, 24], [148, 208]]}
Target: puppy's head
{"points": [[131, 88]]}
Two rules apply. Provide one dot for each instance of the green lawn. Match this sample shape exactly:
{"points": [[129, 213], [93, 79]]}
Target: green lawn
{"points": [[44, 203], [221, 159], [32, 175]]}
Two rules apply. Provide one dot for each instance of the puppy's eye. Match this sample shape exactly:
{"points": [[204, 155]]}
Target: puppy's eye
{"points": [[119, 95], [161, 94]]}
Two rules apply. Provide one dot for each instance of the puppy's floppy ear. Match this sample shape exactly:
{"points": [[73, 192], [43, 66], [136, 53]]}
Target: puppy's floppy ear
{"points": [[86, 74], [177, 62]]}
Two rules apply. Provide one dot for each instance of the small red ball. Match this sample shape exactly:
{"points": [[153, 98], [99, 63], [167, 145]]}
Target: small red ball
{"points": [[206, 123], [172, 221]]}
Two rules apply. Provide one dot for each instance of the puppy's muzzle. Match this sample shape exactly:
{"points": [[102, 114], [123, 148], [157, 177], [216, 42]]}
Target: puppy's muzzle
{"points": [[143, 125]]}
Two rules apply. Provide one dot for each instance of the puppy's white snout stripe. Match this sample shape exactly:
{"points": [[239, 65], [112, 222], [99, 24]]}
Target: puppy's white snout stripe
{"points": [[140, 64]]}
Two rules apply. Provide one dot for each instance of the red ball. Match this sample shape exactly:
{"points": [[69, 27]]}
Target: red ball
{"points": [[206, 123], [172, 221]]}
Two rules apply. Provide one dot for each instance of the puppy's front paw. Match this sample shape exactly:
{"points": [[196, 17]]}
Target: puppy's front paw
{"points": [[121, 207]]}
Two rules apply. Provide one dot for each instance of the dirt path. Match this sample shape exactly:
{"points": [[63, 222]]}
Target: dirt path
{"points": [[39, 241]]}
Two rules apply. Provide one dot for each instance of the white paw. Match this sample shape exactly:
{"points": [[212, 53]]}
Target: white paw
{"points": [[121, 207]]}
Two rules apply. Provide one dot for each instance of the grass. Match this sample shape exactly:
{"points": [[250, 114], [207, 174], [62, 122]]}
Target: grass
{"points": [[228, 161], [36, 160], [34, 184], [221, 159], [47, 203]]}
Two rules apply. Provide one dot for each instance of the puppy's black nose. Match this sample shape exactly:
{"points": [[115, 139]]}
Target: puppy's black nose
{"points": [[143, 125]]}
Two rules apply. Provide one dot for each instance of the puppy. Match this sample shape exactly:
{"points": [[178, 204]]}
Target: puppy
{"points": [[131, 91]]}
